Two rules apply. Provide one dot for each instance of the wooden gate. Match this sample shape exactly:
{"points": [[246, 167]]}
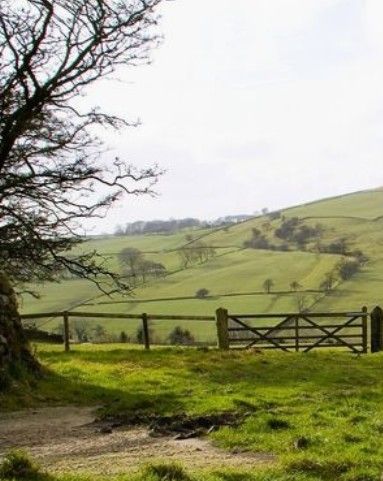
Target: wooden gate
{"points": [[301, 331]]}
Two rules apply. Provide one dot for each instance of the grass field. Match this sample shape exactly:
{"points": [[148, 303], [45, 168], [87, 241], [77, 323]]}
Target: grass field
{"points": [[234, 277], [331, 400]]}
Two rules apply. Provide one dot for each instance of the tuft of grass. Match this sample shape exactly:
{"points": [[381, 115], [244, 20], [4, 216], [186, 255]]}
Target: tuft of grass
{"points": [[167, 472], [327, 469], [277, 423], [18, 465]]}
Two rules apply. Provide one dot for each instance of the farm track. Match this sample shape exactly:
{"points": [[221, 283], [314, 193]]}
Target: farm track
{"points": [[66, 439]]}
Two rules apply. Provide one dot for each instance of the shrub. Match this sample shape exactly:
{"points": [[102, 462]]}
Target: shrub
{"points": [[275, 215], [18, 465], [140, 334], [202, 293], [348, 268], [180, 336], [124, 337]]}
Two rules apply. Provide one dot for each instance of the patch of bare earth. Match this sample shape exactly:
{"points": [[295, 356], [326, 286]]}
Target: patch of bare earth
{"points": [[66, 439]]}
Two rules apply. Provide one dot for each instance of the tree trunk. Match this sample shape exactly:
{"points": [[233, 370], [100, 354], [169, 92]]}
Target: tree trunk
{"points": [[15, 354]]}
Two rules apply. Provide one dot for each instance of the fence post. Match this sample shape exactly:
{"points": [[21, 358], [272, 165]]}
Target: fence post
{"points": [[66, 332], [377, 329], [296, 326], [222, 321], [145, 331], [364, 330]]}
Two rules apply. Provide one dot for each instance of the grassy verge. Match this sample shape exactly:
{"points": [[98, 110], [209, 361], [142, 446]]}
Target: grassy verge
{"points": [[321, 413]]}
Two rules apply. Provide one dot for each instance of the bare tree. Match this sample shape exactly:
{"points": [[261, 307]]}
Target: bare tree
{"points": [[50, 163], [268, 285], [295, 286], [51, 167]]}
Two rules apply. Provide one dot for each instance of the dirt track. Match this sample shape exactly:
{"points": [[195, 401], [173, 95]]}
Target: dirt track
{"points": [[66, 439]]}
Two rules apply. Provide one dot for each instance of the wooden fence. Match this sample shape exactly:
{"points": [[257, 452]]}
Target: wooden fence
{"points": [[284, 331]]}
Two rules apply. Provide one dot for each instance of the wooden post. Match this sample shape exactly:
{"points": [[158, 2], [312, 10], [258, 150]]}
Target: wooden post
{"points": [[145, 331], [222, 322], [66, 332], [364, 330], [297, 334], [377, 329]]}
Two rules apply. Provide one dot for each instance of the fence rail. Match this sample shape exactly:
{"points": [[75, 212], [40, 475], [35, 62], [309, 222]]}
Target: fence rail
{"points": [[295, 331]]}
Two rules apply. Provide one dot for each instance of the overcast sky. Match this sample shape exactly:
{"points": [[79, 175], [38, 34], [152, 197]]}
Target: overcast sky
{"points": [[252, 104]]}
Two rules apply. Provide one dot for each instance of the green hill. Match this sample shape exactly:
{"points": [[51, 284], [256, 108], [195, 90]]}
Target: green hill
{"points": [[234, 277]]}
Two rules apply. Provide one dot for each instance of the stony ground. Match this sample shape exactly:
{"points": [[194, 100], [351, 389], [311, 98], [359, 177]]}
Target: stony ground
{"points": [[68, 439]]}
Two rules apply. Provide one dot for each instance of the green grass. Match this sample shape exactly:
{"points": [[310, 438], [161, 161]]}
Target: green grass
{"points": [[331, 399], [235, 277]]}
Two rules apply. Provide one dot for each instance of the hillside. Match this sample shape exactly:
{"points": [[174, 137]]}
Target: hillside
{"points": [[234, 276]]}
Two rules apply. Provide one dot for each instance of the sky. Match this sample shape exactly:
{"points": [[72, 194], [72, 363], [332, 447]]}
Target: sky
{"points": [[251, 104]]}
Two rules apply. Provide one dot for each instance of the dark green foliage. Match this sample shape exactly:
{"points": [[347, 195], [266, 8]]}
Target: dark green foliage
{"points": [[329, 469], [18, 465], [348, 268], [180, 336], [202, 293], [328, 282], [274, 215], [140, 334], [16, 359], [258, 241], [339, 246], [287, 228], [277, 423], [124, 337], [268, 285], [292, 230], [167, 472]]}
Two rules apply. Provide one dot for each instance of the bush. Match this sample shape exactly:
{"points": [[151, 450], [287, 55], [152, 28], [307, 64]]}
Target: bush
{"points": [[180, 336], [18, 465], [202, 293], [124, 337], [348, 269], [274, 215], [140, 334]]}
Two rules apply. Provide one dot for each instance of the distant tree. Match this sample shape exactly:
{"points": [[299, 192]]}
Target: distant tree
{"points": [[275, 215], [53, 175], [295, 286], [265, 211], [268, 285], [130, 258], [302, 302], [348, 268], [287, 228], [328, 282], [338, 246], [99, 333], [202, 293], [180, 336], [81, 330], [123, 337], [266, 226], [140, 334]]}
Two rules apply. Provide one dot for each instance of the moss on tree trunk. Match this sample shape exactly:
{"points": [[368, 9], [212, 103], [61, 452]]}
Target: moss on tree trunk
{"points": [[15, 354]]}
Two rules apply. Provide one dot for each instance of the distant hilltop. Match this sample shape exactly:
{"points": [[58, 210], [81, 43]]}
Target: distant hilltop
{"points": [[174, 225]]}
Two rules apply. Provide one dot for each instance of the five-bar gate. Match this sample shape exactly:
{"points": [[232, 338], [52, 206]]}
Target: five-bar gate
{"points": [[300, 331]]}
